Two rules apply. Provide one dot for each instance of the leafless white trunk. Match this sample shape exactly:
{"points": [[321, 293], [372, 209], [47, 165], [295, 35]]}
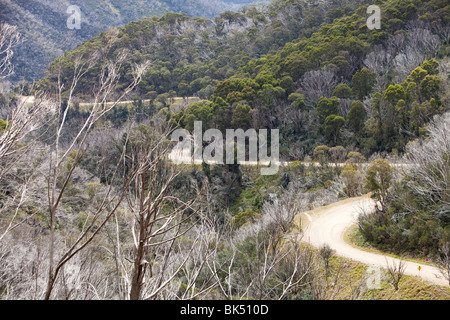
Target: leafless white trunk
{"points": [[430, 170], [159, 219], [24, 119], [73, 150], [9, 38], [317, 84]]}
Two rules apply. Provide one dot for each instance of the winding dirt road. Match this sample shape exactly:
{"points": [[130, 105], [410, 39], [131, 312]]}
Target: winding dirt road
{"points": [[328, 224]]}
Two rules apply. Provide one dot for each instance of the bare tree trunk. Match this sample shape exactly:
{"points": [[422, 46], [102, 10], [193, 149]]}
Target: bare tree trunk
{"points": [[108, 80], [139, 260], [158, 216], [9, 38]]}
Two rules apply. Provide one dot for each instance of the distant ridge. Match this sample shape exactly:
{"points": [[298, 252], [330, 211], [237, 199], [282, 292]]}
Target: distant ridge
{"points": [[43, 24]]}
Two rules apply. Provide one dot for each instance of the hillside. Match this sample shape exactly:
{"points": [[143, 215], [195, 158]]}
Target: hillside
{"points": [[92, 206], [190, 55], [43, 24], [318, 74]]}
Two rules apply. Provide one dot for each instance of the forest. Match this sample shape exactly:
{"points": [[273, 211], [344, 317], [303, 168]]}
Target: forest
{"points": [[271, 70], [92, 208], [43, 24]]}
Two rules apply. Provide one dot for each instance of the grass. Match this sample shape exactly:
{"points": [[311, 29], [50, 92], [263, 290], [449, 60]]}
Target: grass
{"points": [[348, 280], [352, 283]]}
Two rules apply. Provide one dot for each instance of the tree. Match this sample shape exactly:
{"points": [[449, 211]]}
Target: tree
{"points": [[413, 217], [241, 118], [333, 126], [327, 107], [337, 156], [9, 38], [297, 101], [60, 175], [159, 218], [64, 151], [287, 84], [326, 253], [268, 95], [356, 117], [379, 177], [321, 154], [24, 117], [395, 271], [355, 157], [430, 87], [417, 75], [317, 84], [394, 93], [429, 175], [431, 66], [363, 82], [353, 180], [342, 91]]}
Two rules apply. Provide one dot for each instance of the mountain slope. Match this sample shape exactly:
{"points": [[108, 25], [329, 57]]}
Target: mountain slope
{"points": [[190, 55], [316, 73], [43, 24]]}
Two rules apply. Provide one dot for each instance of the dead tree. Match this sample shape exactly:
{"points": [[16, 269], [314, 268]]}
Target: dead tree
{"points": [[64, 159], [160, 217], [280, 265], [318, 83], [199, 281], [23, 119], [395, 272], [9, 38], [25, 116]]}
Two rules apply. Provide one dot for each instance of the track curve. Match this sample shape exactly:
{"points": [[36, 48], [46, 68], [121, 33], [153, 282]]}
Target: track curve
{"points": [[329, 226]]}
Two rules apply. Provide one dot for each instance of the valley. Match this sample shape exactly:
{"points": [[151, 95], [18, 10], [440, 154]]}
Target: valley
{"points": [[195, 150]]}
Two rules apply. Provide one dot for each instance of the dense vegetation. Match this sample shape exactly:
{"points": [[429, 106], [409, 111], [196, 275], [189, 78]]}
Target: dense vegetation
{"points": [[414, 216], [43, 24], [91, 208], [190, 55], [369, 91], [320, 76]]}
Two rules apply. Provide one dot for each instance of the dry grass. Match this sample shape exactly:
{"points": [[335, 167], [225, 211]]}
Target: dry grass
{"points": [[353, 278]]}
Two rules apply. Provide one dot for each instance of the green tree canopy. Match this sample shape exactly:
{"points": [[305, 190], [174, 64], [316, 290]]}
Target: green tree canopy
{"points": [[379, 177], [356, 117], [327, 107], [333, 126], [363, 82]]}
